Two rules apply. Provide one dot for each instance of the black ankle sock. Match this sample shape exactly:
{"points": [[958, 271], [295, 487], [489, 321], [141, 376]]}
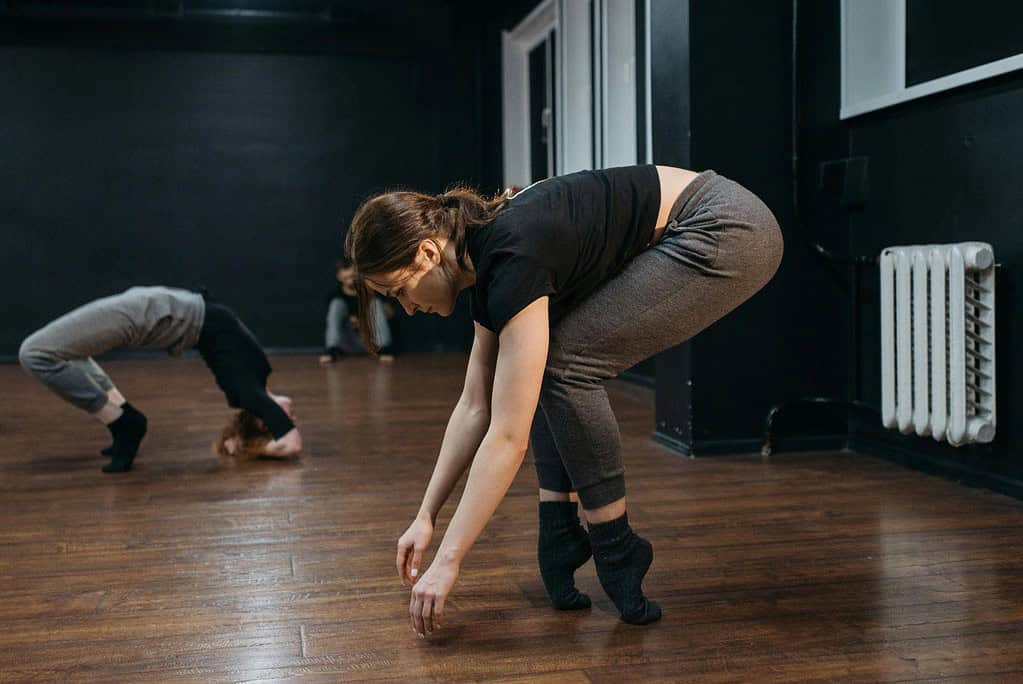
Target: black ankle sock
{"points": [[622, 558], [561, 548], [128, 431]]}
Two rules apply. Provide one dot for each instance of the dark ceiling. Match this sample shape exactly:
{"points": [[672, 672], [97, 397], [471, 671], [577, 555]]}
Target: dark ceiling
{"points": [[384, 27], [273, 11]]}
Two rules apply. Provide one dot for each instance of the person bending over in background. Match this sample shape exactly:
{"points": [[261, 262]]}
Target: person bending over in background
{"points": [[60, 356]]}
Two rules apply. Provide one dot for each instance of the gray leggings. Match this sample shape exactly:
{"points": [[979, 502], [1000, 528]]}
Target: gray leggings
{"points": [[341, 334], [60, 354], [722, 244]]}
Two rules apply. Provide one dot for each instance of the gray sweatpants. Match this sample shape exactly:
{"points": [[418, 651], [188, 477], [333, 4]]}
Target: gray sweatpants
{"points": [[60, 354], [722, 244]]}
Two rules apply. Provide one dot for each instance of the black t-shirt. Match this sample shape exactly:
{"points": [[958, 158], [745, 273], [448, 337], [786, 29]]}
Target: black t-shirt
{"points": [[240, 367], [563, 237]]}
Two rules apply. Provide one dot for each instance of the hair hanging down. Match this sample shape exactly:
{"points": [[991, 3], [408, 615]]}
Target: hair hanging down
{"points": [[387, 229], [246, 433]]}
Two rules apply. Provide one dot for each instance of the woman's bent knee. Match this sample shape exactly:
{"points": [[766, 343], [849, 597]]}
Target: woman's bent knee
{"points": [[32, 356]]}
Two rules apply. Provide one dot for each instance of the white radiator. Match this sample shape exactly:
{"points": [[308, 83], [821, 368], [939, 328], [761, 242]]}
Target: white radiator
{"points": [[938, 341]]}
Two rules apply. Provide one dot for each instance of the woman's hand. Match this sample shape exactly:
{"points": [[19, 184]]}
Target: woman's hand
{"points": [[428, 596], [290, 444], [411, 547], [287, 404]]}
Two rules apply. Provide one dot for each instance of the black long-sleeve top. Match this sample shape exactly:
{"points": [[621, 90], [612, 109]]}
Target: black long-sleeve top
{"points": [[240, 367]]}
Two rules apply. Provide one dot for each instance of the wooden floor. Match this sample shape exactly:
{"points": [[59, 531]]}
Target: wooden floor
{"points": [[821, 567]]}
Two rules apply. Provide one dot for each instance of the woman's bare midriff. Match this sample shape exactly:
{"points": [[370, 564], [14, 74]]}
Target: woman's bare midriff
{"points": [[673, 181]]}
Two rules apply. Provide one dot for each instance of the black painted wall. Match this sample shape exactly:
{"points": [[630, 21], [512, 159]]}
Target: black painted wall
{"points": [[791, 340], [948, 169], [742, 109], [143, 152], [943, 168], [671, 128]]}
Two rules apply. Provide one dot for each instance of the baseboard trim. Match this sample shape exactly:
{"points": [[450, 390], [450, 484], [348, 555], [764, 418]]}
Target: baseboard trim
{"points": [[962, 473], [720, 447], [675, 444]]}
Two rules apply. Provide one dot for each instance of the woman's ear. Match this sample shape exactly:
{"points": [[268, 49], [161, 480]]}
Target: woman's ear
{"points": [[429, 252]]}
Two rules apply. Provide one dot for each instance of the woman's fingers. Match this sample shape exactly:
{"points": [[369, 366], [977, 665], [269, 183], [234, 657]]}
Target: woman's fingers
{"points": [[415, 610], [427, 615], [402, 560], [417, 561], [409, 577], [412, 611], [426, 605], [438, 612], [421, 611]]}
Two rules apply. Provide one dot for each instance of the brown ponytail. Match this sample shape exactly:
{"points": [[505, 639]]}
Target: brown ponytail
{"points": [[387, 229]]}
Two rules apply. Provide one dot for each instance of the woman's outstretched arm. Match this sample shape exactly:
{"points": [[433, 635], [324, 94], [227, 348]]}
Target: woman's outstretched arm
{"points": [[516, 389], [465, 430]]}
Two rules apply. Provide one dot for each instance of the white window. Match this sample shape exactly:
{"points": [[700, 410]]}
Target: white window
{"points": [[597, 96], [876, 35]]}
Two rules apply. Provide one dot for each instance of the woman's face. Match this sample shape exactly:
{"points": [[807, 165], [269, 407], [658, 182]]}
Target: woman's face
{"points": [[423, 286], [346, 276]]}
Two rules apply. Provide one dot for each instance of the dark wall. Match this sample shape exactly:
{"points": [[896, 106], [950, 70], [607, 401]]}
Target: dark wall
{"points": [[671, 128], [789, 341], [237, 168], [944, 168], [946, 36], [947, 169]]}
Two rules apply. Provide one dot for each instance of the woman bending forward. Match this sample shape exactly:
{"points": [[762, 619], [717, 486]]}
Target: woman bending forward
{"points": [[572, 281]]}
